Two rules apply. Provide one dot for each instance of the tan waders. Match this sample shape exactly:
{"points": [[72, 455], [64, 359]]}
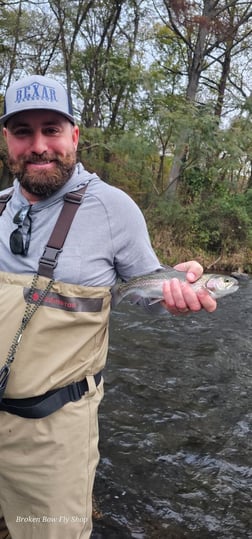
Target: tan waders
{"points": [[47, 471], [47, 465], [54, 339]]}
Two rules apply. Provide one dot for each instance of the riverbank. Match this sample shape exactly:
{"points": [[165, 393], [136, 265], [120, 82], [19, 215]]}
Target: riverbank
{"points": [[171, 253]]}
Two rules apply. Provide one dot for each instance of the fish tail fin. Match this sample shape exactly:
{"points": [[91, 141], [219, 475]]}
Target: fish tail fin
{"points": [[116, 296]]}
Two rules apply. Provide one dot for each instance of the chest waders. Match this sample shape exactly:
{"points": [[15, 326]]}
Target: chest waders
{"points": [[60, 330]]}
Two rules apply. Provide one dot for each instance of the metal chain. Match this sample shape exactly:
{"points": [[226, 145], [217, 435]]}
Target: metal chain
{"points": [[29, 312]]}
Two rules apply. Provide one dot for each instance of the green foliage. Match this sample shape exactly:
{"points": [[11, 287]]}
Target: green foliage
{"points": [[135, 113], [193, 183], [222, 224], [173, 215], [122, 159], [218, 224]]}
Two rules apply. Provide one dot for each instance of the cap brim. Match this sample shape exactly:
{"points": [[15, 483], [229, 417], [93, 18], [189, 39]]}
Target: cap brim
{"points": [[6, 117]]}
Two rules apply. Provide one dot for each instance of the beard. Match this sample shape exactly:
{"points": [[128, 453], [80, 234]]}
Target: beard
{"points": [[43, 183]]}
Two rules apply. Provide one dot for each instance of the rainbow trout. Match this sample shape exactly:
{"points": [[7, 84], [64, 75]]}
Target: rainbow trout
{"points": [[151, 286]]}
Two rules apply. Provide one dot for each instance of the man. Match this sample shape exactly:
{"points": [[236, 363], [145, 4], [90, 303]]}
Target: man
{"points": [[56, 274]]}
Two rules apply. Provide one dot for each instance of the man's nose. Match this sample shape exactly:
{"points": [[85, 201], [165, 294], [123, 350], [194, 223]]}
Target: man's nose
{"points": [[39, 143]]}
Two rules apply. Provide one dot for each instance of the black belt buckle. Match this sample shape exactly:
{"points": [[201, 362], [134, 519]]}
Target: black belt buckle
{"points": [[4, 375], [76, 391]]}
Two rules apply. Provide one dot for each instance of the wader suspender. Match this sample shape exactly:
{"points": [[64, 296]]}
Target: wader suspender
{"points": [[3, 201], [48, 403], [48, 261]]}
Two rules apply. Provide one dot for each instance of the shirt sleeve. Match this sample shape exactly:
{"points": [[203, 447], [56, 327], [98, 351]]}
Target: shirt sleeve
{"points": [[133, 252]]}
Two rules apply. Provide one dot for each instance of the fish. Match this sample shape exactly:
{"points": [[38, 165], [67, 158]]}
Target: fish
{"points": [[151, 286]]}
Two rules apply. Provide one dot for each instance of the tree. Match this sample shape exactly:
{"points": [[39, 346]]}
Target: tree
{"points": [[204, 28], [28, 40], [104, 66]]}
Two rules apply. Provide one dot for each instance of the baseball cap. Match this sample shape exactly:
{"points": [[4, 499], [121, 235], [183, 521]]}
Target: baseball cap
{"points": [[36, 92]]}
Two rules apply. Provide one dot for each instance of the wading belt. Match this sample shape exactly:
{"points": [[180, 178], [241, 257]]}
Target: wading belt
{"points": [[44, 405]]}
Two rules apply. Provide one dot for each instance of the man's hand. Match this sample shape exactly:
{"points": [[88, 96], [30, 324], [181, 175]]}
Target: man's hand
{"points": [[179, 296]]}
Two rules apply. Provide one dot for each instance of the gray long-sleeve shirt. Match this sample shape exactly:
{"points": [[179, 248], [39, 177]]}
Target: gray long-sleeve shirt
{"points": [[107, 239]]}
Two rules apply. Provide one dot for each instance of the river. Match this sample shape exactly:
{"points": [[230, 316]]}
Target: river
{"points": [[176, 425]]}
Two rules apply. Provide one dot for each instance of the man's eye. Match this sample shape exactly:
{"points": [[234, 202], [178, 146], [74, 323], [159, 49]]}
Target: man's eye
{"points": [[21, 132], [51, 131]]}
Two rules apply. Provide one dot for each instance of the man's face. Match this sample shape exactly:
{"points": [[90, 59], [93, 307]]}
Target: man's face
{"points": [[42, 150]]}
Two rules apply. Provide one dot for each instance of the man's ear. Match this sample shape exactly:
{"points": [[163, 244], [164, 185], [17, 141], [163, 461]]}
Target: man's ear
{"points": [[76, 134]]}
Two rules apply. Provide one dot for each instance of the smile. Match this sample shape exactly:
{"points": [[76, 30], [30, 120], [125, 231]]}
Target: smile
{"points": [[39, 164]]}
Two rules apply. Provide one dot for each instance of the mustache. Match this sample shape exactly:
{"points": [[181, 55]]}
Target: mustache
{"points": [[43, 158]]}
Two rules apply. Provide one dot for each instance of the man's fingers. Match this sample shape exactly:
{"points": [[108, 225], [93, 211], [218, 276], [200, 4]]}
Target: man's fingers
{"points": [[179, 297]]}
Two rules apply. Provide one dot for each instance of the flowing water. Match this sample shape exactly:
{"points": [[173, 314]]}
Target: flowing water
{"points": [[176, 425]]}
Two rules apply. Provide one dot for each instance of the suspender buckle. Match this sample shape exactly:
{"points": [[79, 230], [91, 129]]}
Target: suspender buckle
{"points": [[50, 255], [75, 198]]}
